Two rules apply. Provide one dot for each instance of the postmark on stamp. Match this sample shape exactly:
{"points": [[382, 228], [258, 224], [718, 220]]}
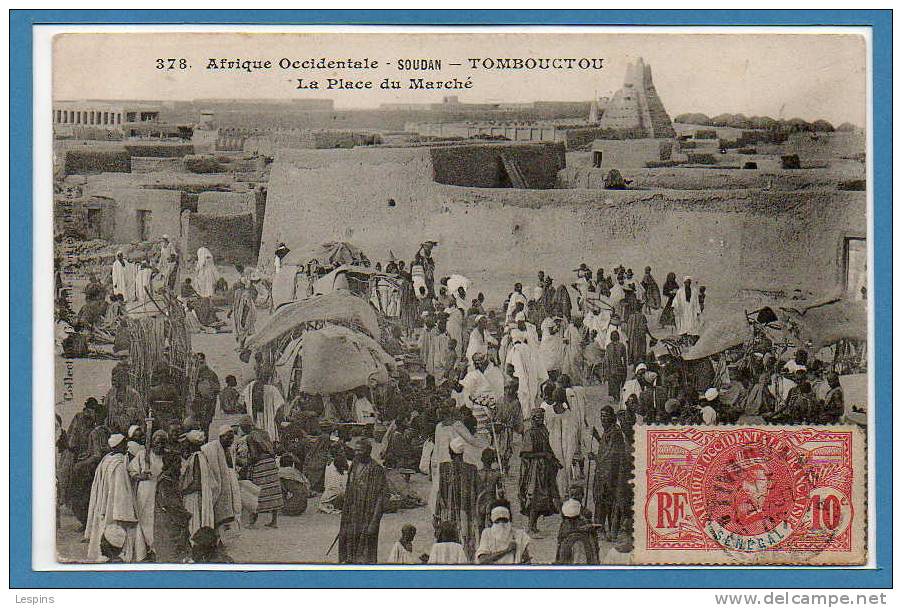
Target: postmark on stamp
{"points": [[750, 495]]}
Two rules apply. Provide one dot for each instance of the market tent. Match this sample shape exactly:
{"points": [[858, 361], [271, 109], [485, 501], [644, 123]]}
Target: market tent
{"points": [[338, 279], [329, 254], [727, 332], [334, 307], [828, 323], [336, 359]]}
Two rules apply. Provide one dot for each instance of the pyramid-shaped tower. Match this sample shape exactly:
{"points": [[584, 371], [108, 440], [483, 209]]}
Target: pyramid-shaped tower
{"points": [[636, 110]]}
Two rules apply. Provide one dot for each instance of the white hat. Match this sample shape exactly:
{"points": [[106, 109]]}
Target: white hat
{"points": [[225, 428], [499, 512], [711, 394], [115, 439], [458, 445], [571, 508], [195, 436], [132, 429], [115, 535], [687, 278], [641, 368]]}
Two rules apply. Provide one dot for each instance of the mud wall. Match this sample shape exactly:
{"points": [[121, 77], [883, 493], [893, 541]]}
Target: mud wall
{"points": [[226, 203], [230, 238], [481, 166], [730, 240], [161, 210]]}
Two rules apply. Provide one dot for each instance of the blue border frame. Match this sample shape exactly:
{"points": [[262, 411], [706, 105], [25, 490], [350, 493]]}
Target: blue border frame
{"points": [[21, 149]]}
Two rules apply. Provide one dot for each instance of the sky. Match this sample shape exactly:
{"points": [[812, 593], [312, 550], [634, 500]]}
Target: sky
{"points": [[783, 75]]}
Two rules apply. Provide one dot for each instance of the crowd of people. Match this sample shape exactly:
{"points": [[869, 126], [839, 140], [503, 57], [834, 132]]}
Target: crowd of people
{"points": [[542, 394]]}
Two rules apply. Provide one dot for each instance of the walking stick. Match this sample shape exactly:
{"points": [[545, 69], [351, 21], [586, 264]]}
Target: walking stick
{"points": [[149, 433], [329, 550], [497, 447]]}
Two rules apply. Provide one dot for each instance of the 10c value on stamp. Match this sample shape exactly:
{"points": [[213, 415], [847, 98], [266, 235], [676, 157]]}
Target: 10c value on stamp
{"points": [[757, 495]]}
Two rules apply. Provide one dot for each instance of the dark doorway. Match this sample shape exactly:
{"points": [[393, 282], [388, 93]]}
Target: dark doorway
{"points": [[144, 218]]}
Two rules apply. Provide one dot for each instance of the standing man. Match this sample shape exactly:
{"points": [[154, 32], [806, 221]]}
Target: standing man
{"points": [[538, 473], [112, 501], [361, 513], [834, 402], [615, 365], [226, 495], [206, 392], [652, 291], [458, 491], [244, 311], [516, 297], [145, 469], [565, 429], [687, 309], [263, 400], [123, 277], [609, 471], [123, 403]]}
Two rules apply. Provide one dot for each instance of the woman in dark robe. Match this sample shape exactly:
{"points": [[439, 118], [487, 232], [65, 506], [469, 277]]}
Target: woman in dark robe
{"points": [[562, 303], [667, 318], [263, 472], [170, 530], [652, 291], [409, 304], [636, 330]]}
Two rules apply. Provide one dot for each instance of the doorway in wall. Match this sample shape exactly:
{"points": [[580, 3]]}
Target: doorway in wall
{"points": [[855, 262], [144, 218]]}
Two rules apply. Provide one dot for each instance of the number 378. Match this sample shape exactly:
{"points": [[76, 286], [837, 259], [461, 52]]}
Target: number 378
{"points": [[172, 64]]}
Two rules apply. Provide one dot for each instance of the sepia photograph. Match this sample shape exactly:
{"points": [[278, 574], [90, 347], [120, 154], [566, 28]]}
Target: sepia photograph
{"points": [[482, 299]]}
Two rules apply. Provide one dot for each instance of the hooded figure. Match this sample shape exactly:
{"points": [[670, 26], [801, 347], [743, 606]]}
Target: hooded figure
{"points": [[205, 273]]}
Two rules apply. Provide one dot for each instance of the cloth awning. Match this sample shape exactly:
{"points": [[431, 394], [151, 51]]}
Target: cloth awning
{"points": [[336, 359], [331, 307], [333, 253]]}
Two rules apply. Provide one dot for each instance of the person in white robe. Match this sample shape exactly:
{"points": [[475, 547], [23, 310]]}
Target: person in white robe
{"points": [[501, 543], [631, 387], [111, 501], [123, 277], [517, 296], [686, 309], [265, 414], [551, 347], [565, 429], [454, 325], [402, 551], [145, 469], [226, 495], [480, 338], [482, 380], [205, 273], [167, 250], [572, 351], [528, 369], [144, 283], [197, 485]]}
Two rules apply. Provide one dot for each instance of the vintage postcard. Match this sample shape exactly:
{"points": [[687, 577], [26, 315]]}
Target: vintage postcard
{"points": [[418, 298]]}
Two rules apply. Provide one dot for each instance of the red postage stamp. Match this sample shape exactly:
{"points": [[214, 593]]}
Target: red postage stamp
{"points": [[750, 495]]}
